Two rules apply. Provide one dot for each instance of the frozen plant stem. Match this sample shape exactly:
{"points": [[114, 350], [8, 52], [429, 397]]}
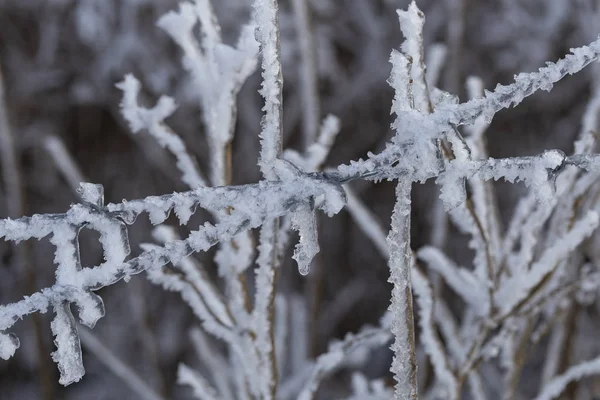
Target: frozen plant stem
{"points": [[308, 73], [455, 36], [64, 162], [404, 364], [266, 16], [112, 362], [267, 32]]}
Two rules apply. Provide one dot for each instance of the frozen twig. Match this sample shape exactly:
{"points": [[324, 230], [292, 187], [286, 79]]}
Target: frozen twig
{"points": [[338, 351], [309, 83], [556, 386], [404, 364], [64, 161], [218, 70], [202, 389], [429, 338], [117, 367], [267, 32], [153, 121], [367, 222]]}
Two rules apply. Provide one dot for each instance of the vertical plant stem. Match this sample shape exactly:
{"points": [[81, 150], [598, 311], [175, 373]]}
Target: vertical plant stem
{"points": [[267, 32], [118, 367], [266, 15], [311, 109], [264, 309], [309, 83], [455, 33], [404, 364]]}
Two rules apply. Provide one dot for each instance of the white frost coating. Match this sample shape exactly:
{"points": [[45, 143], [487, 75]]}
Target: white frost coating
{"points": [[139, 117], [114, 240], [537, 172], [152, 120], [196, 300], [471, 223], [184, 210], [90, 308], [91, 193], [557, 341], [317, 152], [179, 26], [271, 137], [525, 85], [200, 386], [66, 255], [218, 70], [210, 357], [476, 131], [267, 33], [404, 362], [483, 193], [529, 239], [68, 348], [363, 389], [516, 289], [400, 82], [309, 80], [431, 342], [434, 60], [211, 31], [339, 351], [448, 115], [411, 23], [263, 310], [462, 281], [113, 363], [9, 343], [63, 160], [556, 386], [522, 210], [304, 220], [360, 384], [367, 222], [197, 279]]}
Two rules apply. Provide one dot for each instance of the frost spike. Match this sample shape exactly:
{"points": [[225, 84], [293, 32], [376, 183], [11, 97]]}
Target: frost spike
{"points": [[68, 348]]}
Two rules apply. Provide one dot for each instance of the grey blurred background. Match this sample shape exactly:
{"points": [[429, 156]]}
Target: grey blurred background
{"points": [[61, 59]]}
